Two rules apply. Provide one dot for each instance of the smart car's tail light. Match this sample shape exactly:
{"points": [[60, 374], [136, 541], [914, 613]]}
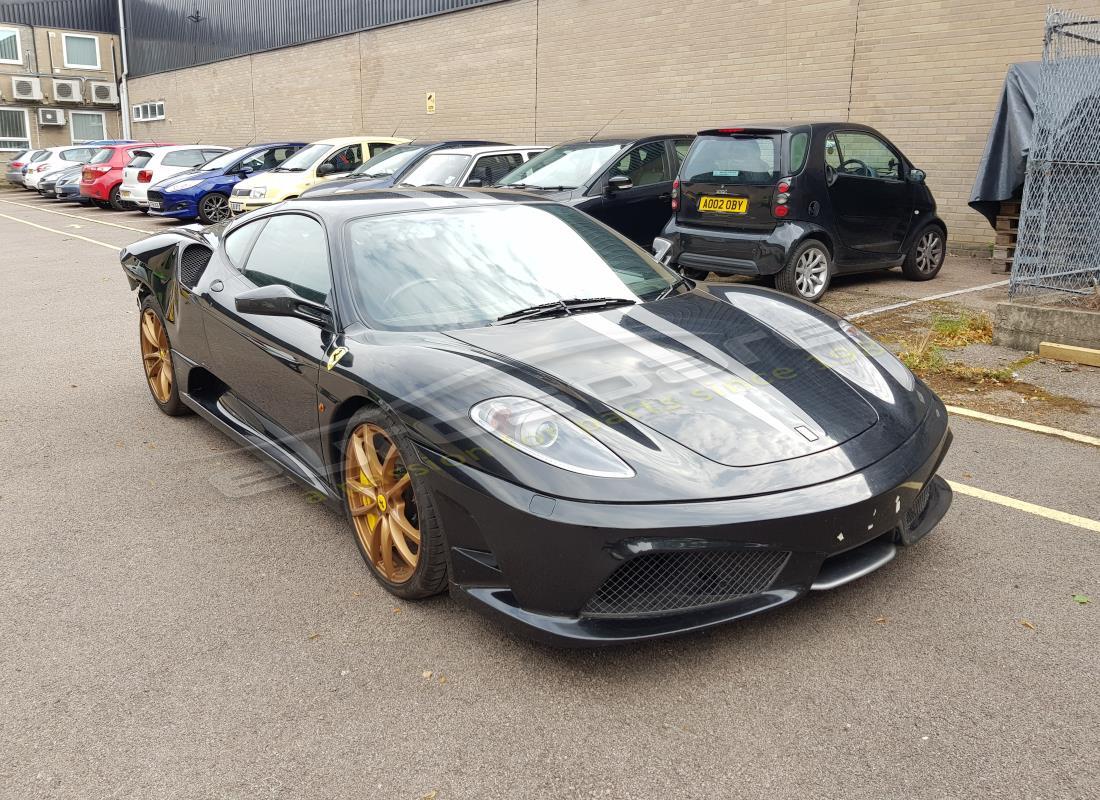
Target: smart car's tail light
{"points": [[782, 196], [676, 195], [145, 176], [545, 434]]}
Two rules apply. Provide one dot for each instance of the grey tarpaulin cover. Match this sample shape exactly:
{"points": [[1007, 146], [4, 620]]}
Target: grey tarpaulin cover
{"points": [[1001, 171]]}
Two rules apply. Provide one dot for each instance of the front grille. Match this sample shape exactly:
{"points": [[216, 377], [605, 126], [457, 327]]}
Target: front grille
{"points": [[194, 261], [919, 506], [661, 583], [155, 196]]}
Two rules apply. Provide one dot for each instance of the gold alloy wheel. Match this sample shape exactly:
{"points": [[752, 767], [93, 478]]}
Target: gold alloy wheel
{"points": [[382, 504], [155, 356]]}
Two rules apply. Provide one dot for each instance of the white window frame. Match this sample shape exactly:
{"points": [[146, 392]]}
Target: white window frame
{"points": [[149, 111], [65, 51], [26, 127], [72, 130], [18, 46]]}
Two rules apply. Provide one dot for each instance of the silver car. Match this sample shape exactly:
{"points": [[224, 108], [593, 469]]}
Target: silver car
{"points": [[13, 170]]}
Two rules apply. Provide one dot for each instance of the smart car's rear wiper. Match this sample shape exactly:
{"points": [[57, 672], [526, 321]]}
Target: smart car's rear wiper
{"points": [[563, 307]]}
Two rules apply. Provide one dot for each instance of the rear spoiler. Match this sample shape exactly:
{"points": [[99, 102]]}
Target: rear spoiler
{"points": [[734, 131]]}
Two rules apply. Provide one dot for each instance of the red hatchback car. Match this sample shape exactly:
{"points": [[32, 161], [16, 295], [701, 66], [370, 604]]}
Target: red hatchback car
{"points": [[102, 176]]}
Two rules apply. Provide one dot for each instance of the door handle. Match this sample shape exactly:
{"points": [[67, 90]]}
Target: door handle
{"points": [[665, 196]]}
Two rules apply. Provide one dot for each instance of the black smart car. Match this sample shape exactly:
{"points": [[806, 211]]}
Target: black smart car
{"points": [[625, 183], [801, 203]]}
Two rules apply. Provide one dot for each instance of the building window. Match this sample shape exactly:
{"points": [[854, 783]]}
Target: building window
{"points": [[87, 126], [147, 112], [81, 52], [14, 129], [11, 51]]}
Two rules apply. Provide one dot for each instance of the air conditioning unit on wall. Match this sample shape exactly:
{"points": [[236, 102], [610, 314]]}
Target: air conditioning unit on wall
{"points": [[51, 116], [67, 91], [26, 88], [103, 92]]}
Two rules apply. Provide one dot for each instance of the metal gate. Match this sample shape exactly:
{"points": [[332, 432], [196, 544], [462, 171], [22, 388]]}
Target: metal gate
{"points": [[1058, 244]]}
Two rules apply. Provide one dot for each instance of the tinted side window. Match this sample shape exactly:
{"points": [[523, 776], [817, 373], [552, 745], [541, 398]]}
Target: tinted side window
{"points": [[492, 168], [644, 165], [866, 156], [184, 158], [292, 251], [346, 158], [681, 146], [239, 242], [800, 145]]}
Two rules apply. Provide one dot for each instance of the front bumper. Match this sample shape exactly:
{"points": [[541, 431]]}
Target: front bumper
{"points": [[545, 564], [172, 204], [241, 204], [734, 252], [70, 191]]}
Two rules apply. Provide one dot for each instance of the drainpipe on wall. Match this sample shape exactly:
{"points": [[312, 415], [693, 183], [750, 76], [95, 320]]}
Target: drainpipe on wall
{"points": [[123, 94]]}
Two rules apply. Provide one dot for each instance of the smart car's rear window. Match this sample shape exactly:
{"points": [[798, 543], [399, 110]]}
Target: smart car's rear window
{"points": [[741, 159]]}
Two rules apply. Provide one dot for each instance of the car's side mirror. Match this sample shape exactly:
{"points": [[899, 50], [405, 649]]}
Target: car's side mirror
{"points": [[917, 175], [246, 169], [277, 300], [325, 169], [475, 182], [616, 183]]}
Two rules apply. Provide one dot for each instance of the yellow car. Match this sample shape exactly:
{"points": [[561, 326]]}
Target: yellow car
{"points": [[314, 163]]}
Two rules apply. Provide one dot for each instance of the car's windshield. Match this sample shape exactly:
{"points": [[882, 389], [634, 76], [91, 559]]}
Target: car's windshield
{"points": [[741, 159], [566, 166], [388, 161], [224, 160], [438, 169], [102, 156], [466, 267], [304, 158]]}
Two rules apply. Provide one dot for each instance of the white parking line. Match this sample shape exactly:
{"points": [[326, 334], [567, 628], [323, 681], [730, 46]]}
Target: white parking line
{"points": [[1030, 508], [883, 309], [1027, 426], [81, 217], [67, 234]]}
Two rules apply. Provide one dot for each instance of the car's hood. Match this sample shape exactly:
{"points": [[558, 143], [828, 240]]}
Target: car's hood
{"points": [[742, 383], [279, 184]]}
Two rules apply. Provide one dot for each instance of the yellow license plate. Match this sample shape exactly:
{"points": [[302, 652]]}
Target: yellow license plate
{"points": [[724, 205]]}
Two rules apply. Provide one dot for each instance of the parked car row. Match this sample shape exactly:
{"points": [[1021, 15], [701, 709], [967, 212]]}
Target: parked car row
{"points": [[793, 204]]}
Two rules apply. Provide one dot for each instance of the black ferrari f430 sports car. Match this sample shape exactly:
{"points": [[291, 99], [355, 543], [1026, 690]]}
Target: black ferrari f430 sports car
{"points": [[509, 399]]}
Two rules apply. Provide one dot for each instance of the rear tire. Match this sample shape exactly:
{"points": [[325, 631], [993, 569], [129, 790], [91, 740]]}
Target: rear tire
{"points": [[114, 201], [926, 254], [378, 430], [807, 273]]}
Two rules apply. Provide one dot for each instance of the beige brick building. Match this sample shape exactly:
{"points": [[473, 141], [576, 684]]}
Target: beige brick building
{"points": [[47, 69], [927, 74]]}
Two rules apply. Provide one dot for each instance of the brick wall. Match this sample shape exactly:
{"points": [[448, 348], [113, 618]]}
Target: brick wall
{"points": [[927, 74], [43, 57]]}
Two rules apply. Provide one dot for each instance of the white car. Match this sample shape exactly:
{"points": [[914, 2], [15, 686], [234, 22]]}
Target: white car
{"points": [[59, 158], [468, 166], [149, 165]]}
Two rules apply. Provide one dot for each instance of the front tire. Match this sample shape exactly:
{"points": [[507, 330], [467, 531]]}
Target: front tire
{"points": [[926, 255], [214, 208], [156, 359], [807, 273], [390, 508]]}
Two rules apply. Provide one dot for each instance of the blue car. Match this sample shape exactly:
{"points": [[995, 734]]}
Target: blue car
{"points": [[204, 191]]}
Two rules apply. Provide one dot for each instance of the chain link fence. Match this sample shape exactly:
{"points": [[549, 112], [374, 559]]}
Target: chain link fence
{"points": [[1058, 243]]}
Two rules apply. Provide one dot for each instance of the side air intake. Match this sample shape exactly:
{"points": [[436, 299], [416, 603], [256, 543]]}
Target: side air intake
{"points": [[193, 264]]}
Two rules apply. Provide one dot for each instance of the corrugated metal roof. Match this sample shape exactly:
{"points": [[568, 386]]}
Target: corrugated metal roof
{"points": [[100, 16], [165, 35]]}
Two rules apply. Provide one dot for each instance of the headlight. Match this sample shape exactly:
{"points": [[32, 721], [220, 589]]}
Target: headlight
{"points": [[548, 436], [179, 187], [258, 192]]}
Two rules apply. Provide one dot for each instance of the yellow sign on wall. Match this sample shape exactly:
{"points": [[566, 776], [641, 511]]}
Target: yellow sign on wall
{"points": [[429, 102]]}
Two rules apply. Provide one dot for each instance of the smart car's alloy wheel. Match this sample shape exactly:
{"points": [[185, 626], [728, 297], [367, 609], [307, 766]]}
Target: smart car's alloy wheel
{"points": [[926, 255], [155, 356], [810, 273], [383, 507]]}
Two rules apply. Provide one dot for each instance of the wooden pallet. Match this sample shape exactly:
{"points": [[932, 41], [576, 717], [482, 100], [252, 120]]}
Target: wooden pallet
{"points": [[1004, 247]]}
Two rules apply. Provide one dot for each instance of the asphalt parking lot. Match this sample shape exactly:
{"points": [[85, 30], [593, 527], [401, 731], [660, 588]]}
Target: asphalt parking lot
{"points": [[178, 621]]}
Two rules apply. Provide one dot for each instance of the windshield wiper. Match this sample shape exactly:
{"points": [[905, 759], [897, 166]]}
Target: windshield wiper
{"points": [[373, 174], [547, 188], [564, 307], [682, 281]]}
